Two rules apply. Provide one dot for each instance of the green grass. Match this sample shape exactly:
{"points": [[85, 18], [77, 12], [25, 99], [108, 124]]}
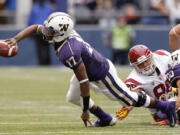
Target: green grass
{"points": [[33, 102]]}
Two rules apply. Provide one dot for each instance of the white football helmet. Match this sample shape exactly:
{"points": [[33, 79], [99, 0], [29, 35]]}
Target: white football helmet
{"points": [[175, 57], [139, 54], [57, 27]]}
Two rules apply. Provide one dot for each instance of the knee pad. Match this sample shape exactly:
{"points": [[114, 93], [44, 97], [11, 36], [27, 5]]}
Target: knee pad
{"points": [[91, 103], [68, 98], [141, 99], [72, 99]]}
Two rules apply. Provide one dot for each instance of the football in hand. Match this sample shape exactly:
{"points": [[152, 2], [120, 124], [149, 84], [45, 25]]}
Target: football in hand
{"points": [[6, 50]]}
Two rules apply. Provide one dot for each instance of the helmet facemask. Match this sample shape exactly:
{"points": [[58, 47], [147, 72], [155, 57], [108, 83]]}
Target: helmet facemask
{"points": [[49, 33], [147, 70]]}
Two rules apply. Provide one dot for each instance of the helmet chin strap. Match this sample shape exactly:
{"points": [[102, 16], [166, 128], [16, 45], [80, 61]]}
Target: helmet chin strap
{"points": [[152, 69], [59, 41], [148, 71]]}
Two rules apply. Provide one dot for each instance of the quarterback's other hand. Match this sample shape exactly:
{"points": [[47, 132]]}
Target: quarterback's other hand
{"points": [[86, 118]]}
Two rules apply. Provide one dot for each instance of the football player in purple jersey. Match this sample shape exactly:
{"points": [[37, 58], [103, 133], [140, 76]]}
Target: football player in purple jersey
{"points": [[173, 73], [91, 69]]}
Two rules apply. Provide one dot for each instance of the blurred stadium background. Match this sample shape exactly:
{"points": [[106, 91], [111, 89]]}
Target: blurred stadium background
{"points": [[32, 97], [93, 19]]}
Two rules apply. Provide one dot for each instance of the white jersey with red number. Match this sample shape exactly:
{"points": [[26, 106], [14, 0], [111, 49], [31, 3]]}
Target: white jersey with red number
{"points": [[155, 85]]}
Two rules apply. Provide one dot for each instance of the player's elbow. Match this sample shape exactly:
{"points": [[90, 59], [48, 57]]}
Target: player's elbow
{"points": [[171, 34], [175, 32], [34, 27]]}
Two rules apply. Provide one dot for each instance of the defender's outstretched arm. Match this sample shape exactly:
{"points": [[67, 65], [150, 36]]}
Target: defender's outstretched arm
{"points": [[174, 38]]}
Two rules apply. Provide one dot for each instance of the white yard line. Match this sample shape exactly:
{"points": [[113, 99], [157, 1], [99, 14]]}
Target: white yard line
{"points": [[35, 69], [37, 107], [29, 115], [52, 115], [130, 126], [174, 132], [40, 123], [53, 106], [31, 77]]}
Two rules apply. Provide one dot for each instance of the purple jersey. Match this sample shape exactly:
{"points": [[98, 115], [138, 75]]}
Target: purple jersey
{"points": [[76, 51], [173, 75]]}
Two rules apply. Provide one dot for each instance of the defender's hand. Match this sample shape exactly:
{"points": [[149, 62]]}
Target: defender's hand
{"points": [[123, 112], [86, 118]]}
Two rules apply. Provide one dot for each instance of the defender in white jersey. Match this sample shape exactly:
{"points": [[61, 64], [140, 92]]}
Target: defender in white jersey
{"points": [[149, 76]]}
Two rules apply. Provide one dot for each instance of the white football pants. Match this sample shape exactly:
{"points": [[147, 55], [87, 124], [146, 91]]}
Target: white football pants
{"points": [[111, 86]]}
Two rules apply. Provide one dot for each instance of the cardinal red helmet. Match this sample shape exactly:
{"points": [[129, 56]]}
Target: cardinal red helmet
{"points": [[139, 54]]}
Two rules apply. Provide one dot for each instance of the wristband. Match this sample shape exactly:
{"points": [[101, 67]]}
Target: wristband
{"points": [[86, 103], [83, 81], [86, 113]]}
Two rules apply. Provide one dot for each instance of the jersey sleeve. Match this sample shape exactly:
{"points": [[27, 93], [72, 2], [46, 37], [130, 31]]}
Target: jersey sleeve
{"points": [[162, 52], [173, 75], [70, 56]]}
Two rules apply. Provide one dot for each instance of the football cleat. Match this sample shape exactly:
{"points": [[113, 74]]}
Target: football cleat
{"points": [[161, 123], [104, 123], [123, 112], [175, 90]]}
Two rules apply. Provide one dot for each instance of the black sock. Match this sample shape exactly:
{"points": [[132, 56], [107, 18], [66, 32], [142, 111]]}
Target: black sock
{"points": [[98, 112]]}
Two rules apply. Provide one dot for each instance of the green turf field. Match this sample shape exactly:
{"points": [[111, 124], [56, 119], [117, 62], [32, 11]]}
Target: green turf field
{"points": [[32, 102]]}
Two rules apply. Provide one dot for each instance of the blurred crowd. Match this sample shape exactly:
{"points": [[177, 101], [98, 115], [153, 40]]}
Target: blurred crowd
{"points": [[7, 8], [116, 17], [106, 12]]}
